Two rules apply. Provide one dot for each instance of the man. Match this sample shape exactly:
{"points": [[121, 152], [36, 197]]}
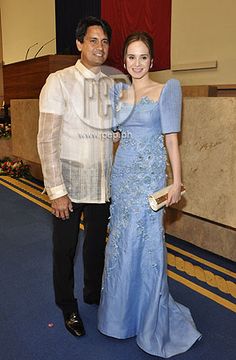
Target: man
{"points": [[75, 149]]}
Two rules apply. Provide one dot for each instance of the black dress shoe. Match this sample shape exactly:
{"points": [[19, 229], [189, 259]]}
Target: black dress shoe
{"points": [[91, 301], [74, 324]]}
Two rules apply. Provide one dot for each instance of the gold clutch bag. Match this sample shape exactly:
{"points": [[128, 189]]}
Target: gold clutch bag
{"points": [[159, 198]]}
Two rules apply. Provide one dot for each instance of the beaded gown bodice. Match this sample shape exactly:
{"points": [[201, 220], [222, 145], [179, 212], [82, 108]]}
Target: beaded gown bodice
{"points": [[141, 153]]}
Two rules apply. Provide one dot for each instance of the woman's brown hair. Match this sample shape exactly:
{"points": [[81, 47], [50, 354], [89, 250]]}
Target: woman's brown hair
{"points": [[139, 36]]}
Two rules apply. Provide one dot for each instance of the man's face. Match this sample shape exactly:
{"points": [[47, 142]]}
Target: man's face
{"points": [[94, 49]]}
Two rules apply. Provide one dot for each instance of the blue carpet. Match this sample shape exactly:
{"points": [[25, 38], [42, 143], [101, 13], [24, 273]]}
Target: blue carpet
{"points": [[27, 303]]}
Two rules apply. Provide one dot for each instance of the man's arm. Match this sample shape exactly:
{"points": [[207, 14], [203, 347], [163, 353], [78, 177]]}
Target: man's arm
{"points": [[48, 140]]}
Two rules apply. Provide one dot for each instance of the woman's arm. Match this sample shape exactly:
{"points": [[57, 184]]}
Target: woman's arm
{"points": [[172, 146]]}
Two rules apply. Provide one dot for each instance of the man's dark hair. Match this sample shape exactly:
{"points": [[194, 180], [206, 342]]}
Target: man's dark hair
{"points": [[91, 21]]}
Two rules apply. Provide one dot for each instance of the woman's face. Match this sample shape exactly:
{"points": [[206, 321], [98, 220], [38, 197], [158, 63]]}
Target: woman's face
{"points": [[137, 59]]}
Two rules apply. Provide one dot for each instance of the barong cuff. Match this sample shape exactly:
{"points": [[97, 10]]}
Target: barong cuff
{"points": [[56, 192]]}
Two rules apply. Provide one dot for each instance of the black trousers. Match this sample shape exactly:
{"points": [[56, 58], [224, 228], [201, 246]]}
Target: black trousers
{"points": [[65, 240]]}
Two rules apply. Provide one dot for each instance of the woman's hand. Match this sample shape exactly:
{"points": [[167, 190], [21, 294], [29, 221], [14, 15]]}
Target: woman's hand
{"points": [[116, 136], [174, 194]]}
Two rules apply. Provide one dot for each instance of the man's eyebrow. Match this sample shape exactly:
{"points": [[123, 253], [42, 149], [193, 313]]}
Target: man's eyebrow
{"points": [[96, 37]]}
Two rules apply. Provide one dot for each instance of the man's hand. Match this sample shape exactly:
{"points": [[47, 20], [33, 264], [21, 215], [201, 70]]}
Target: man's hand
{"points": [[62, 207]]}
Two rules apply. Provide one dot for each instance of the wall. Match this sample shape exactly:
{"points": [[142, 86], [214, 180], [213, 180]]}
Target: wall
{"points": [[24, 23], [203, 30]]}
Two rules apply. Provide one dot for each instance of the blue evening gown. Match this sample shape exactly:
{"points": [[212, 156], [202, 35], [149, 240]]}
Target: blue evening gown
{"points": [[135, 299]]}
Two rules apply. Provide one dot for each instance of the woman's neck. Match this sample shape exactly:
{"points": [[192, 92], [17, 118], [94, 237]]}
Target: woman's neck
{"points": [[139, 84]]}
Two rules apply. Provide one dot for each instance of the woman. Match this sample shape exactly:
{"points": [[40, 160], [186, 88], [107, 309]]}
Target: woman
{"points": [[135, 299]]}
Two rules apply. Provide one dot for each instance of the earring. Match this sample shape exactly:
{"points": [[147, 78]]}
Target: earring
{"points": [[124, 66], [151, 65]]}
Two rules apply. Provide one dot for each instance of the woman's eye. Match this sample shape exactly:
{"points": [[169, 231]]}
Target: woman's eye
{"points": [[130, 57]]}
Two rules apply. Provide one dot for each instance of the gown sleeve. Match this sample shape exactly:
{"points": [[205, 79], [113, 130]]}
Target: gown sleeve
{"points": [[170, 107]]}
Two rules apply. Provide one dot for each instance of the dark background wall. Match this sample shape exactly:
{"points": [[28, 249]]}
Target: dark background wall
{"points": [[125, 17], [68, 14]]}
